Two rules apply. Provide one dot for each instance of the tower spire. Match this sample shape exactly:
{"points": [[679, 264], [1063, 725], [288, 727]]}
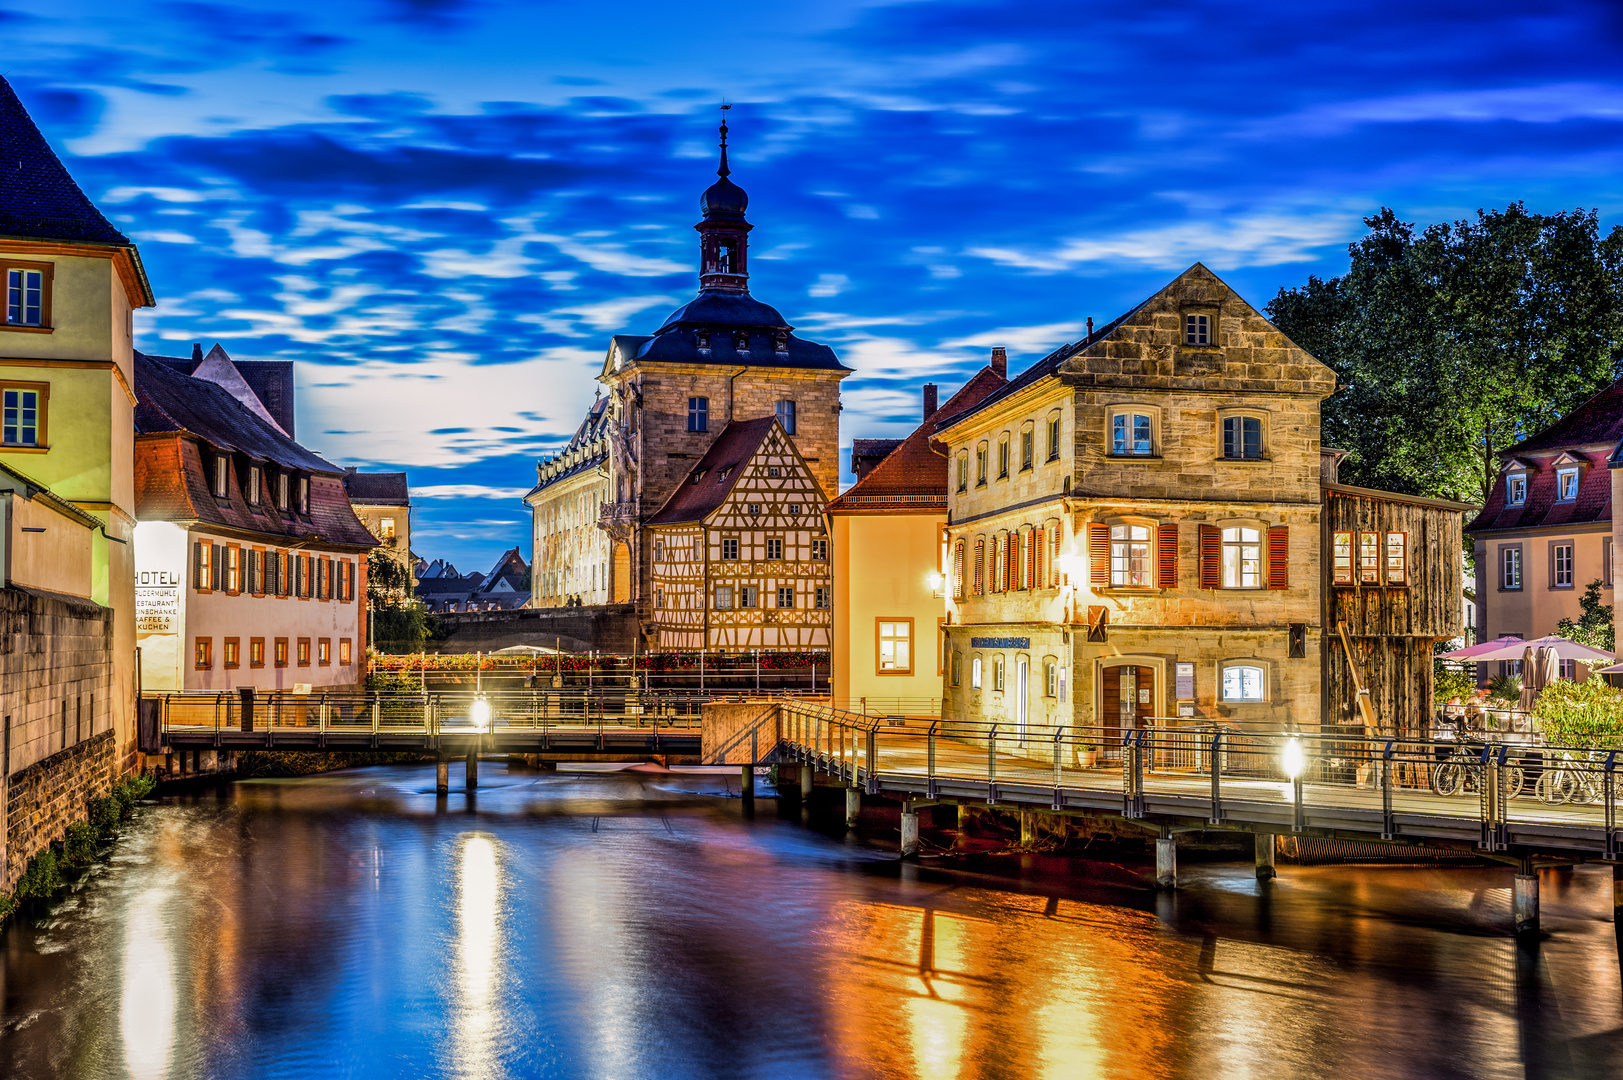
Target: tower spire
{"points": [[723, 170]]}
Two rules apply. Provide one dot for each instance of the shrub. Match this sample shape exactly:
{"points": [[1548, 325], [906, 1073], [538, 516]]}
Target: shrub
{"points": [[79, 845], [131, 790], [104, 814], [1587, 714], [1506, 688], [42, 878], [1449, 682]]}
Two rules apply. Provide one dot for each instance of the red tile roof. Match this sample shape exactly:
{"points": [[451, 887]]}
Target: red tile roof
{"points": [[914, 476], [1594, 501], [736, 444], [1598, 420]]}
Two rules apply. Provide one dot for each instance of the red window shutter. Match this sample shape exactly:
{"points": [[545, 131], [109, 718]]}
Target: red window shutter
{"points": [[1211, 557], [1029, 575], [1011, 561], [1053, 558], [1166, 556], [1099, 554], [1039, 560], [1279, 557]]}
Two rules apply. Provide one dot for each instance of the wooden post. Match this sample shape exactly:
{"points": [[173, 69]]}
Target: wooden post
{"points": [[853, 806], [442, 776], [1265, 856], [1028, 829], [910, 831], [806, 781], [1524, 898], [962, 837], [746, 787], [471, 780], [1166, 860]]}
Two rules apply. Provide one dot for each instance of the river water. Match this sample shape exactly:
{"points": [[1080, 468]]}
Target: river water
{"points": [[625, 926]]}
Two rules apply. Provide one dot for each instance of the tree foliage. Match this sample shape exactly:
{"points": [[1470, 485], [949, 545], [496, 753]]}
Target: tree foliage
{"points": [[1586, 714], [1452, 344], [400, 623], [1594, 626]]}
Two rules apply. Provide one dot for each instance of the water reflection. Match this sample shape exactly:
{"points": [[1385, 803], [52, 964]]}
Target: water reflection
{"points": [[477, 945], [147, 998]]}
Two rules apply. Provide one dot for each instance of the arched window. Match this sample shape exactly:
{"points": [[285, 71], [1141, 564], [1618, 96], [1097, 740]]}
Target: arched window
{"points": [[1243, 682], [975, 673]]}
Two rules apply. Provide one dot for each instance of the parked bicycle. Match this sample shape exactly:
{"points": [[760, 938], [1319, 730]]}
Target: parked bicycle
{"points": [[1567, 779], [1462, 765]]}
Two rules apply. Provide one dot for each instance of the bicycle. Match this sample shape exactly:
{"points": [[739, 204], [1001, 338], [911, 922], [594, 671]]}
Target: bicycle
{"points": [[1564, 782], [1462, 768]]}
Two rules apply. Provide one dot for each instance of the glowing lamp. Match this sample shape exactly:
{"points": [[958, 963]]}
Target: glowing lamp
{"points": [[480, 713], [1292, 757], [936, 582], [1071, 565]]}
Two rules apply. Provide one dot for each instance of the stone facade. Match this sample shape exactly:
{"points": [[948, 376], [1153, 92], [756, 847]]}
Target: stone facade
{"points": [[1116, 570], [57, 745]]}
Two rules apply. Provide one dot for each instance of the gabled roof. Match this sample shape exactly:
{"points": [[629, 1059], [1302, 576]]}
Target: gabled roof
{"points": [[170, 401], [270, 380], [1541, 507], [380, 488], [694, 501], [38, 199], [914, 476], [1598, 420]]}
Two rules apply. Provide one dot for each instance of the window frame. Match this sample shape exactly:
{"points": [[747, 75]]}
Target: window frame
{"points": [[1224, 543], [976, 673], [999, 673], [1370, 558], [346, 652], [304, 496], [255, 480], [47, 272], [1510, 557], [824, 598], [279, 652], [1028, 446], [1242, 415], [1056, 429], [1003, 456], [723, 600], [963, 470], [1133, 411], [231, 652], [698, 414], [1197, 324], [1249, 663], [256, 652], [1570, 547], [1128, 542], [324, 652], [42, 401], [780, 412], [1341, 564], [819, 549], [880, 637], [1562, 475], [302, 652], [1516, 489], [220, 480], [983, 463], [729, 548], [782, 590], [770, 545], [1402, 567], [202, 653]]}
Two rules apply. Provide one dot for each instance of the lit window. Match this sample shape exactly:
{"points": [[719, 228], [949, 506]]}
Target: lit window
{"points": [[324, 651], [786, 596], [344, 652], [980, 465], [896, 646], [222, 472], [1511, 567], [304, 652], [22, 418], [1197, 330], [1515, 490], [1566, 482], [823, 597], [1130, 556], [203, 652], [1132, 434], [1242, 437], [1561, 565], [1369, 558], [281, 652], [724, 597], [1050, 679], [1243, 682], [819, 551], [233, 652], [233, 569], [256, 652], [786, 416], [386, 528], [975, 673], [1242, 558], [729, 547], [698, 414], [997, 673], [1341, 556], [1397, 558], [774, 547], [253, 485]]}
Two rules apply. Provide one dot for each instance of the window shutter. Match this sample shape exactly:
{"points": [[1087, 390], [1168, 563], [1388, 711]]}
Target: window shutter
{"points": [[1053, 557], [980, 567], [958, 570], [1211, 557], [197, 565], [219, 567], [1278, 557], [1166, 555], [1099, 554], [1039, 560]]}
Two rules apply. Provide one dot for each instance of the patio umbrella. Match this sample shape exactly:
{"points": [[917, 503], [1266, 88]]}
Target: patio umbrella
{"points": [[1515, 649], [1530, 677], [1474, 652]]}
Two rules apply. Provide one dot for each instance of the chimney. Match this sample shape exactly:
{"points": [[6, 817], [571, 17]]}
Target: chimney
{"points": [[1000, 362], [929, 400], [197, 352]]}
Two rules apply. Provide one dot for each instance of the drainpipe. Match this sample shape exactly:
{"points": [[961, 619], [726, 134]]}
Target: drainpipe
{"points": [[730, 379]]}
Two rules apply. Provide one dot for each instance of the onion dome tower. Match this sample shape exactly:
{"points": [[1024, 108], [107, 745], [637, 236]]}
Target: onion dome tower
{"points": [[723, 234]]}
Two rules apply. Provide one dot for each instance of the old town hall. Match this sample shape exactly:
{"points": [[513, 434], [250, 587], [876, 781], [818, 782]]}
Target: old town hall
{"points": [[722, 363]]}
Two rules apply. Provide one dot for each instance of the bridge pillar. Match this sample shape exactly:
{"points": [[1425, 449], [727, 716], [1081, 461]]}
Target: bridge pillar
{"points": [[1028, 829], [806, 781], [471, 781], [746, 788], [1166, 860], [910, 831], [442, 776], [1524, 899], [1265, 857], [853, 807], [961, 839]]}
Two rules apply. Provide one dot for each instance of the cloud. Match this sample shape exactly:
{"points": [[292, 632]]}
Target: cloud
{"points": [[467, 491]]}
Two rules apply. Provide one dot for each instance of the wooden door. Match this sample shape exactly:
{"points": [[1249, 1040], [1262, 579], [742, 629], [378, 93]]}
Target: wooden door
{"points": [[1127, 701], [621, 579]]}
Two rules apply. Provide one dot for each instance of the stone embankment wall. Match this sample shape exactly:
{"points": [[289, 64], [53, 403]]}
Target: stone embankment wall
{"points": [[57, 745]]}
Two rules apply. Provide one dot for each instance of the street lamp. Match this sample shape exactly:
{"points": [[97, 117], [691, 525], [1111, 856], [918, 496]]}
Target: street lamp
{"points": [[937, 581], [1295, 761], [479, 713]]}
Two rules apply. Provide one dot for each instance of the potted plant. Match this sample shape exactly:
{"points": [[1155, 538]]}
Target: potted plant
{"points": [[1087, 756]]}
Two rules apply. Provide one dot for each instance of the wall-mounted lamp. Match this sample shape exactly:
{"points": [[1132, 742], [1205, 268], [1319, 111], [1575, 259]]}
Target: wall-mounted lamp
{"points": [[937, 584]]}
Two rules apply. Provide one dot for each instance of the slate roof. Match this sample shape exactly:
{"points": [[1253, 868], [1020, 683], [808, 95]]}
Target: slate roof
{"points": [[38, 199], [678, 341], [913, 477], [736, 444], [170, 401], [270, 380], [591, 429], [380, 489], [1598, 420]]}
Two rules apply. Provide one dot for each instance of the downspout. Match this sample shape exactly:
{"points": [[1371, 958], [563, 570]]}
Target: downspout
{"points": [[730, 379]]}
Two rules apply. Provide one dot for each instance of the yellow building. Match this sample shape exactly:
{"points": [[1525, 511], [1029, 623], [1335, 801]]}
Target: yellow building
{"points": [[888, 533], [72, 285]]}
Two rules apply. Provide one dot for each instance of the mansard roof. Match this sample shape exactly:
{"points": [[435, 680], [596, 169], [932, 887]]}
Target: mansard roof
{"points": [[591, 431], [1541, 505], [914, 476], [38, 199], [691, 336], [712, 479], [1597, 421]]}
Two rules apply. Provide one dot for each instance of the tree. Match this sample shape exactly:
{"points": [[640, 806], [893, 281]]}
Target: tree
{"points": [[399, 621], [1594, 626], [1455, 343]]}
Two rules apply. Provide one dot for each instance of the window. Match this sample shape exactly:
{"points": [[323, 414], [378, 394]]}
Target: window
{"points": [[748, 596], [1369, 558], [1244, 682], [819, 550], [1003, 458], [957, 570], [1397, 558], [233, 652], [324, 651], [774, 547], [963, 470], [281, 491], [786, 416], [1561, 565], [980, 465], [1132, 434], [755, 508], [698, 414], [203, 653], [1242, 558], [1568, 669], [773, 472], [794, 509], [979, 581], [24, 419], [1566, 485], [345, 653], [698, 549], [1197, 329], [304, 495], [1027, 438], [1130, 564], [895, 646], [1515, 490], [659, 598], [1242, 437], [304, 652], [1341, 558], [386, 528], [233, 569], [253, 485], [202, 565], [824, 597], [1510, 567], [975, 673], [281, 652], [659, 550], [28, 297], [956, 668], [256, 652], [1606, 560], [1050, 679], [724, 597], [1053, 437], [997, 673], [729, 547], [786, 596]]}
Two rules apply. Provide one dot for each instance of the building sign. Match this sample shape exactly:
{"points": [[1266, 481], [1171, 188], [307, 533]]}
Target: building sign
{"points": [[1186, 682], [1000, 643], [157, 602]]}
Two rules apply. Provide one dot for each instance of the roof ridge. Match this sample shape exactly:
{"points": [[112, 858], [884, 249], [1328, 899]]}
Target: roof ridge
{"points": [[39, 199]]}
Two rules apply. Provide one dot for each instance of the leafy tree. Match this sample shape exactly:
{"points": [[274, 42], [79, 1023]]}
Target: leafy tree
{"points": [[1455, 343], [1594, 626], [399, 621]]}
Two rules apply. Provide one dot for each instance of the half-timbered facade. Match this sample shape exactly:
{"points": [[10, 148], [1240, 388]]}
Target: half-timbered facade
{"points": [[739, 551]]}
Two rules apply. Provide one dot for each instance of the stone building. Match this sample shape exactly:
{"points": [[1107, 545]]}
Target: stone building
{"points": [[1134, 527], [382, 500], [722, 357]]}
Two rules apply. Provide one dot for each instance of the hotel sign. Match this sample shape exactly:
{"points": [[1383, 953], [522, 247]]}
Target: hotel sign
{"points": [[157, 602]]}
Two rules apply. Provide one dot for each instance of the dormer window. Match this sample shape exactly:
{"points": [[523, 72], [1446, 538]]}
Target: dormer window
{"points": [[281, 491], [741, 341], [222, 471], [253, 485], [304, 495], [1516, 489], [780, 341], [699, 475], [1566, 485], [702, 338], [723, 474]]}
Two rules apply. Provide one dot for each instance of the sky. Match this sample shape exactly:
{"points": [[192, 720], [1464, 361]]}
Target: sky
{"points": [[442, 209]]}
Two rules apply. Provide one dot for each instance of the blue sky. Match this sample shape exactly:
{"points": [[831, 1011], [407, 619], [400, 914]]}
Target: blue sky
{"points": [[443, 208]]}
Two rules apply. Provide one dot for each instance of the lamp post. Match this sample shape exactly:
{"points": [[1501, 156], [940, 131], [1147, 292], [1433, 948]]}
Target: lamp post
{"points": [[1295, 761]]}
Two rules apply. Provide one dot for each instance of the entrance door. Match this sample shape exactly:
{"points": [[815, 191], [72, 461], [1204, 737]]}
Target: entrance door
{"points": [[1127, 702], [1021, 673], [621, 579]]}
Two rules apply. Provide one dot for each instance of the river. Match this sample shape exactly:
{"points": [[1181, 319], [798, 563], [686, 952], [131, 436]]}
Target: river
{"points": [[624, 926]]}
